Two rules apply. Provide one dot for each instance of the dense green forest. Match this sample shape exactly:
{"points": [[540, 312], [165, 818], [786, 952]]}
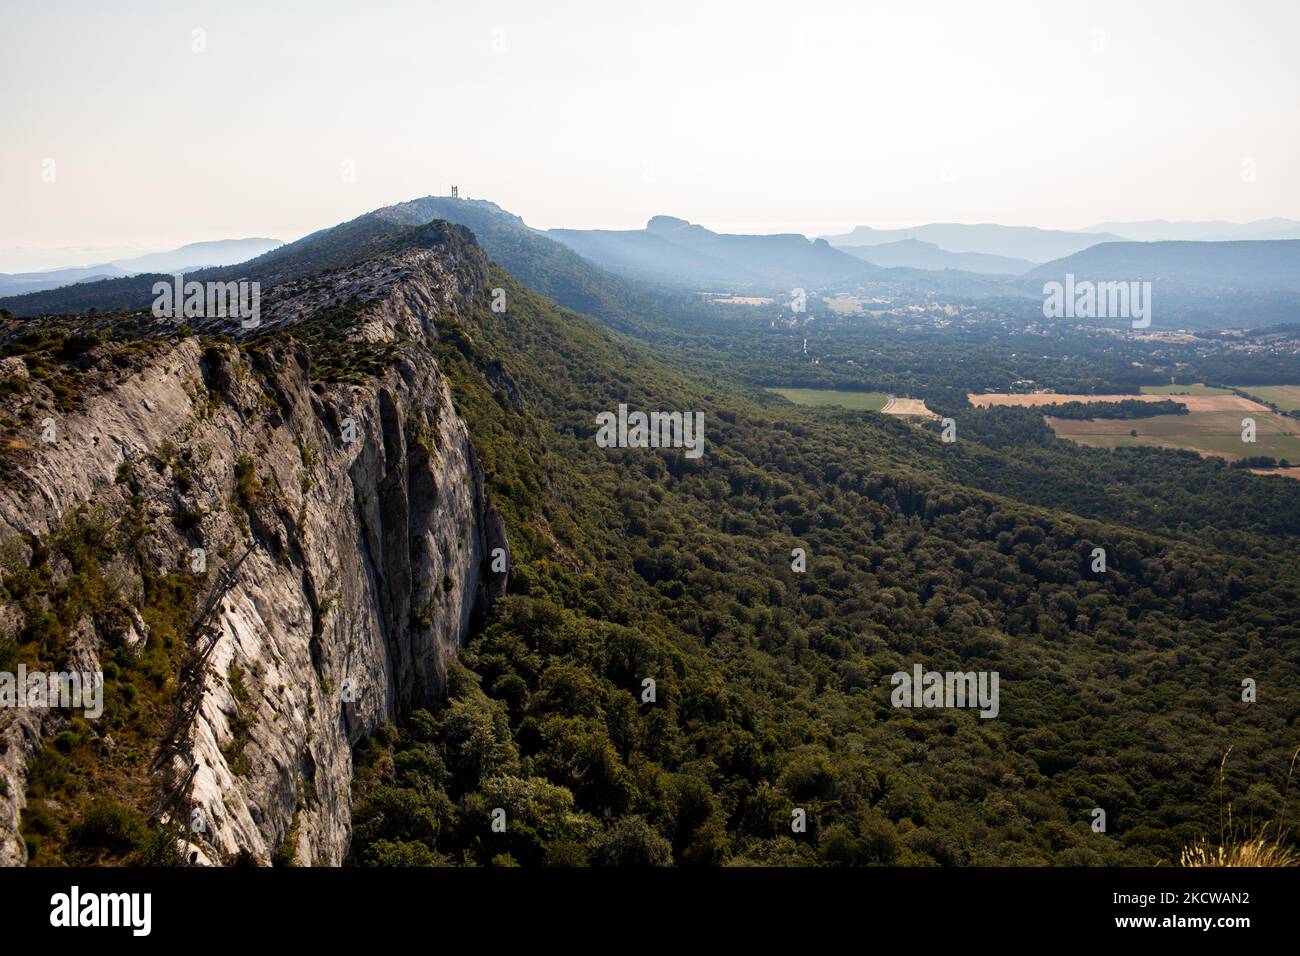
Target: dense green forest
{"points": [[1122, 410], [1120, 690]]}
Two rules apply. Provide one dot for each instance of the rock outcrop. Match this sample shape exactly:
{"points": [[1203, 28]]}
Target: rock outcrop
{"points": [[337, 523]]}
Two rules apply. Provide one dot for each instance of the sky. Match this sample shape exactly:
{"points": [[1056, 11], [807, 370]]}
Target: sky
{"points": [[128, 127]]}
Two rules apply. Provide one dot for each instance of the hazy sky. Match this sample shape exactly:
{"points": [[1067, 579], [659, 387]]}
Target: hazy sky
{"points": [[755, 116]]}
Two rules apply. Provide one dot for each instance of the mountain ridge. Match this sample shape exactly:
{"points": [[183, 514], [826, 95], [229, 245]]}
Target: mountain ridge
{"points": [[1015, 242], [674, 250], [1249, 264], [918, 254]]}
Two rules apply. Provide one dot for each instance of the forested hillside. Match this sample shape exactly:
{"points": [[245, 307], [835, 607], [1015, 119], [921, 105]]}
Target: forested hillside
{"points": [[1120, 690], [768, 590]]}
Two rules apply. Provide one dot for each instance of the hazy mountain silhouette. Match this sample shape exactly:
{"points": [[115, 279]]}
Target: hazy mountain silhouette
{"points": [[187, 258], [20, 283], [1162, 230], [674, 250], [199, 255], [1016, 242], [915, 254], [1238, 264]]}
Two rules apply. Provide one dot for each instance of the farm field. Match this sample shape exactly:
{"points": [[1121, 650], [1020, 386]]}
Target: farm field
{"points": [[1184, 390], [1214, 402], [1285, 397], [1212, 427], [909, 407], [826, 397], [1206, 432]]}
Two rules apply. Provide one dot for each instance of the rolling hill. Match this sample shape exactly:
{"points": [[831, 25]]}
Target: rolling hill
{"points": [[1254, 265]]}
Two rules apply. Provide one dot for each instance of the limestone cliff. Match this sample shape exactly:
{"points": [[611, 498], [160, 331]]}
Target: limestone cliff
{"points": [[312, 476]]}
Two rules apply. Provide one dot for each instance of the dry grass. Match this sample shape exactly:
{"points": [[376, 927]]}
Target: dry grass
{"points": [[1258, 850], [1251, 849]]}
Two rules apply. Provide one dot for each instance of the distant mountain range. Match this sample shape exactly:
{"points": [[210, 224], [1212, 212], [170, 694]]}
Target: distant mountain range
{"points": [[618, 275], [674, 250], [198, 255], [1163, 230], [20, 283], [1258, 265], [187, 258], [1014, 242], [915, 254], [1041, 245]]}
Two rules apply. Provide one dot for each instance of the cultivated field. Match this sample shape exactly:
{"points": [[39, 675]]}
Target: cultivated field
{"points": [[1212, 427], [1208, 433], [1216, 402], [913, 407], [825, 397], [1184, 390], [1285, 397]]}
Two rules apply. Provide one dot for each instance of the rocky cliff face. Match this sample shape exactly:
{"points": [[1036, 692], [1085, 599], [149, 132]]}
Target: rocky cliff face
{"points": [[336, 522]]}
